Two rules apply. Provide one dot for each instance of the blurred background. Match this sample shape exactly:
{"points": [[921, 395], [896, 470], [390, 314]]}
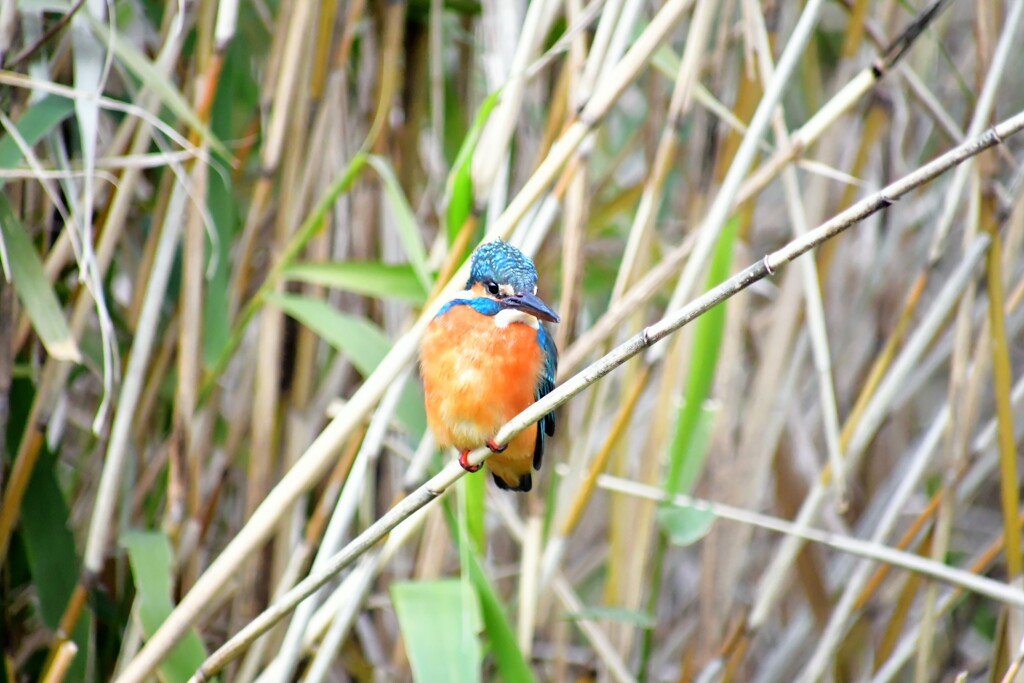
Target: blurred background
{"points": [[225, 224]]}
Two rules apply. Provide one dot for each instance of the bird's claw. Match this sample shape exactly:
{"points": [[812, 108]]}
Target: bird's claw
{"points": [[465, 464], [495, 448]]}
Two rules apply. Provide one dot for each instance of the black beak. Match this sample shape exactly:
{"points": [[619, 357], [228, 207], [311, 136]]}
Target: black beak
{"points": [[532, 304]]}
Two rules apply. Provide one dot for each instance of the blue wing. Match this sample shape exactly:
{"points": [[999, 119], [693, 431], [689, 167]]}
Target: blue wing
{"points": [[544, 386]]}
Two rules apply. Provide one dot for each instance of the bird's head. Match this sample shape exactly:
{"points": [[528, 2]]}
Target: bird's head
{"points": [[503, 273]]}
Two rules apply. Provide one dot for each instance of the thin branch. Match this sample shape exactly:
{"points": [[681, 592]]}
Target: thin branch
{"points": [[26, 53], [871, 550], [649, 336]]}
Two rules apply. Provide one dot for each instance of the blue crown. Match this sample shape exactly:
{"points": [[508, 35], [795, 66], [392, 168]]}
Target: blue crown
{"points": [[502, 263]]}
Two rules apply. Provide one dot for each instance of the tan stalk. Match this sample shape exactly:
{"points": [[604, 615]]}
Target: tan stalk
{"points": [[58, 669], [965, 579], [610, 16], [55, 372], [906, 648], [131, 388], [826, 650], [901, 611], [438, 484], [597, 466], [577, 200], [814, 306], [624, 586], [492, 149], [1002, 376], [571, 602], [777, 575], [317, 457], [189, 350], [958, 388], [679, 106], [529, 584]]}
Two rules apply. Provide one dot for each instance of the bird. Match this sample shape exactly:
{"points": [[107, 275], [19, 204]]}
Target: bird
{"points": [[484, 358]]}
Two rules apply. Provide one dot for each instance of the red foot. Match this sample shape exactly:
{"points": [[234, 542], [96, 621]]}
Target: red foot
{"points": [[464, 462], [495, 448]]}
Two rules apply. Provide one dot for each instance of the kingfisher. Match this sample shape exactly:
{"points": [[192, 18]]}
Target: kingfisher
{"points": [[485, 357]]}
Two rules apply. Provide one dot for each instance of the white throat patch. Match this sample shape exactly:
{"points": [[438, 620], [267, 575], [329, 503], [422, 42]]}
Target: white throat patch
{"points": [[506, 317]]}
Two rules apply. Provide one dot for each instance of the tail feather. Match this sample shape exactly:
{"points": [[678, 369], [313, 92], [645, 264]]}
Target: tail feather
{"points": [[524, 484]]}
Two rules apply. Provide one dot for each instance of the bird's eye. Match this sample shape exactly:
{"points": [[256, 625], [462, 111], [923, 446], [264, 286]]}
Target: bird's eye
{"points": [[492, 288]]}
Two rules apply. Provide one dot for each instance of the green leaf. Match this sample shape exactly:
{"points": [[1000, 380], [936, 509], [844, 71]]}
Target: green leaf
{"points": [[152, 562], [685, 525], [374, 279], [440, 623], [408, 228], [236, 98], [33, 287], [224, 214], [38, 120], [686, 462], [475, 510], [362, 342], [460, 194], [511, 663], [50, 550], [618, 614], [694, 451]]}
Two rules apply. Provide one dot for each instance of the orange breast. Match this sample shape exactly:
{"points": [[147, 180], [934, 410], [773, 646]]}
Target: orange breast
{"points": [[476, 376]]}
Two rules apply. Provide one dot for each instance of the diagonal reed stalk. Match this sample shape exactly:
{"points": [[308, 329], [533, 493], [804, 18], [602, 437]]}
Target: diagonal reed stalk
{"points": [[193, 163], [651, 335]]}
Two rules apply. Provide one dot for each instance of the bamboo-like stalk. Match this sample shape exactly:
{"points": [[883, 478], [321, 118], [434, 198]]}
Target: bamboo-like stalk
{"points": [[961, 578], [651, 335], [316, 458], [814, 307], [529, 584], [131, 388], [58, 669], [777, 575], [679, 105], [959, 390], [600, 461], [55, 372], [492, 151], [830, 639], [1002, 375], [216, 27], [338, 527], [724, 200], [905, 649], [603, 647]]}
